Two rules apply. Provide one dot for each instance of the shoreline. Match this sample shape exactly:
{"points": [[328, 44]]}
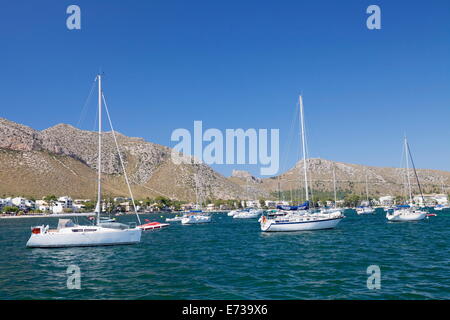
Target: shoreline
{"points": [[58, 215]]}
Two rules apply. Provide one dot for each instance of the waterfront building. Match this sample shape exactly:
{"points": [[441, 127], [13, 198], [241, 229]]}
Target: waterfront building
{"points": [[42, 205], [63, 203], [19, 202], [431, 199], [271, 204]]}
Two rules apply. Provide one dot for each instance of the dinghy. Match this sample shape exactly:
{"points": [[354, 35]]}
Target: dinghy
{"points": [[152, 225]]}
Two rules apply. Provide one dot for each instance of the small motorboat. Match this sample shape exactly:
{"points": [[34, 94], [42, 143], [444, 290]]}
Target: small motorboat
{"points": [[152, 225], [248, 214], [174, 219], [441, 207], [196, 218], [365, 210]]}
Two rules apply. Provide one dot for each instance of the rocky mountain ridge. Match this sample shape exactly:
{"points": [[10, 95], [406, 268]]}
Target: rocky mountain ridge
{"points": [[63, 160]]}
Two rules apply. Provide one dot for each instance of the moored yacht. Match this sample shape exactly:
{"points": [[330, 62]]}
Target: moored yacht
{"points": [[407, 212], [368, 208], [301, 220], [69, 234], [298, 222], [104, 232]]}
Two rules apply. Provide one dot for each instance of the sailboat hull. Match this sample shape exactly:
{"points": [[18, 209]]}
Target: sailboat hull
{"points": [[271, 226], [71, 238]]}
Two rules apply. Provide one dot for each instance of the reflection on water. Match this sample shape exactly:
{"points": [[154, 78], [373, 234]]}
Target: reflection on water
{"points": [[233, 259]]}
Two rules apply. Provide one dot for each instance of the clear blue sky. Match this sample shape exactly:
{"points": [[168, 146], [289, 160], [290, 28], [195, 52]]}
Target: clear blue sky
{"points": [[240, 64]]}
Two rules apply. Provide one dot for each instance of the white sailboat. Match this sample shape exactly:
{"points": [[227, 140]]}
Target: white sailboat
{"points": [[442, 206], [366, 209], [407, 212], [69, 234], [301, 220], [196, 216], [335, 207], [246, 213]]}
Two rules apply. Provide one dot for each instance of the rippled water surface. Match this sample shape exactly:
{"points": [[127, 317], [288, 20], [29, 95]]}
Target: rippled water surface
{"points": [[232, 259]]}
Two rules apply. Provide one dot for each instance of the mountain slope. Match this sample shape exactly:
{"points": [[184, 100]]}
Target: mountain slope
{"points": [[352, 177], [63, 160]]}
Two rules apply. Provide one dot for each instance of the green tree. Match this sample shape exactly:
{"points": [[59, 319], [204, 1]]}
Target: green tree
{"points": [[89, 206], [262, 203], [352, 200], [10, 209], [163, 202], [51, 199]]}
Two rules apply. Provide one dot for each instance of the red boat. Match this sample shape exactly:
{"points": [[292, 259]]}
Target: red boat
{"points": [[152, 225]]}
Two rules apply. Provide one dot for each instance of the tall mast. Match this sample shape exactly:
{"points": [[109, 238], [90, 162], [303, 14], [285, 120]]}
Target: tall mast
{"points": [[334, 187], [367, 189], [246, 187], [98, 208], [279, 190], [302, 121], [407, 171], [196, 192]]}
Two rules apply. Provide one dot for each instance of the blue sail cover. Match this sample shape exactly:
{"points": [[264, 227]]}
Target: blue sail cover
{"points": [[304, 206]]}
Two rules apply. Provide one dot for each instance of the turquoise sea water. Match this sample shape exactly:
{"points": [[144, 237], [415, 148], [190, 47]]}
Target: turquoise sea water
{"points": [[232, 259]]}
